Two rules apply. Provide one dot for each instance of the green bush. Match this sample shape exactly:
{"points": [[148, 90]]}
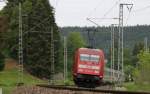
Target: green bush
{"points": [[68, 82], [141, 73], [2, 64]]}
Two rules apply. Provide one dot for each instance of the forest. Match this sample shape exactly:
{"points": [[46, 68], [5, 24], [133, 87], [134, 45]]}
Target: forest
{"points": [[102, 35]]}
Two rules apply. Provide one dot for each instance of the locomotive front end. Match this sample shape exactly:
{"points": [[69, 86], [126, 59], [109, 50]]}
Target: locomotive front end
{"points": [[89, 67]]}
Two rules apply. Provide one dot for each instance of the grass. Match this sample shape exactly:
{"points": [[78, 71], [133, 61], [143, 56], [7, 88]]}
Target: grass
{"points": [[136, 87], [9, 79]]}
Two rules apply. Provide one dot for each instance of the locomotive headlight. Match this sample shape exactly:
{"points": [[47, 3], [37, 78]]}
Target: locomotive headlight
{"points": [[82, 66], [80, 70], [96, 71], [95, 67]]}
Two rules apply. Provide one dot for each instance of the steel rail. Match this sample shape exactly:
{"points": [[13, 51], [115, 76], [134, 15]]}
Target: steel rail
{"points": [[72, 88]]}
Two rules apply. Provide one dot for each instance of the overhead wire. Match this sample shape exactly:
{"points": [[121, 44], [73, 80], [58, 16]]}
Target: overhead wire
{"points": [[111, 9], [136, 11], [43, 21], [93, 22], [93, 39], [141, 9], [98, 5], [129, 14], [89, 19]]}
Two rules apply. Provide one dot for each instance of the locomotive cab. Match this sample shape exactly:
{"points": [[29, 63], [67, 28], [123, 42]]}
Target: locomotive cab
{"points": [[88, 67]]}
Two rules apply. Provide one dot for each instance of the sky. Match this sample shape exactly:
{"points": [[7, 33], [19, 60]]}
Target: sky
{"points": [[76, 12]]}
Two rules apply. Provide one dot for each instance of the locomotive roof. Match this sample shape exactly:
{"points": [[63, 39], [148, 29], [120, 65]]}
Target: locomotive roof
{"points": [[88, 50]]}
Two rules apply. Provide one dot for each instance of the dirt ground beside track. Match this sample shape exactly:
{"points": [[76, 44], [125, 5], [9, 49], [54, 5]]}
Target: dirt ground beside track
{"points": [[41, 90], [10, 64]]}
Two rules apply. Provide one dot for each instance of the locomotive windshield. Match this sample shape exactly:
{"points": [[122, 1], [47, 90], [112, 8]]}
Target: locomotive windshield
{"points": [[92, 58]]}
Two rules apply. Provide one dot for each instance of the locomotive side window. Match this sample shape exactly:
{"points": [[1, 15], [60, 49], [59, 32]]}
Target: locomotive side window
{"points": [[84, 57], [92, 58]]}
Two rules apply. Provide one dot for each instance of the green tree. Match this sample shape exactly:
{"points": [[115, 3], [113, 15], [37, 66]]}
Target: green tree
{"points": [[128, 64], [138, 47], [2, 64], [127, 57], [74, 41], [141, 73], [38, 16]]}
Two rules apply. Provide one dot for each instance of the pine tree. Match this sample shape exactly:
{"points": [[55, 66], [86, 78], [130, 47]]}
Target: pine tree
{"points": [[38, 16]]}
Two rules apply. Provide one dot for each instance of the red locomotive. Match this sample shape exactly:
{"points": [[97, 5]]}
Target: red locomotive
{"points": [[88, 67]]}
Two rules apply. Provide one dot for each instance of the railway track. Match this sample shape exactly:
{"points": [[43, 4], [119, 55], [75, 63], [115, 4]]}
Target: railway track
{"points": [[100, 91]]}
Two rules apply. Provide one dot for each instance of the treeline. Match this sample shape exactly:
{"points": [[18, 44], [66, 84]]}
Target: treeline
{"points": [[132, 35]]}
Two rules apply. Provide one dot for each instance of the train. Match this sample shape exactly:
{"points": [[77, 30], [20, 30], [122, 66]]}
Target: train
{"points": [[88, 67]]}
